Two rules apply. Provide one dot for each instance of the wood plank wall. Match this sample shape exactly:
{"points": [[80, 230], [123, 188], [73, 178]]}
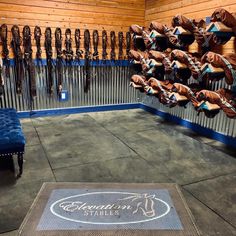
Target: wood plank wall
{"points": [[115, 15], [164, 10]]}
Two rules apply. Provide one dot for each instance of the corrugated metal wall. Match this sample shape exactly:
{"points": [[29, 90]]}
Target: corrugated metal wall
{"points": [[109, 85], [220, 123]]}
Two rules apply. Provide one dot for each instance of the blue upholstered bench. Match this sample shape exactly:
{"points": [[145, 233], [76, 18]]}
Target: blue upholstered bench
{"points": [[12, 140]]}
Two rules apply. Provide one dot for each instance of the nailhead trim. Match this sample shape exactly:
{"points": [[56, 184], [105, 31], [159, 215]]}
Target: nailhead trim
{"points": [[9, 154]]}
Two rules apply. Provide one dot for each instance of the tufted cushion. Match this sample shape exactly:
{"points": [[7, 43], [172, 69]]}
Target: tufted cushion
{"points": [[12, 139]]}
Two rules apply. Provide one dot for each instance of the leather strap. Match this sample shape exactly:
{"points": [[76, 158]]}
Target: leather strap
{"points": [[113, 44], [37, 37], [95, 45], [104, 45], [29, 65], [79, 52], [58, 45], [48, 48], [87, 44], [68, 52], [128, 44], [15, 44], [5, 51], [121, 40], [1, 80]]}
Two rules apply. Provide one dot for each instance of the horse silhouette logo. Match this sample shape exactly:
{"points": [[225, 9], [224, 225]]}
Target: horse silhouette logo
{"points": [[145, 203]]}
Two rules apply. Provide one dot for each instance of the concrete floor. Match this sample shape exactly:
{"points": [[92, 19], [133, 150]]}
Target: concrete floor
{"points": [[122, 146]]}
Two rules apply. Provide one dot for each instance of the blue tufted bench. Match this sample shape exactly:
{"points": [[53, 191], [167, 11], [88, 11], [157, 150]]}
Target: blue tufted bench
{"points": [[12, 140]]}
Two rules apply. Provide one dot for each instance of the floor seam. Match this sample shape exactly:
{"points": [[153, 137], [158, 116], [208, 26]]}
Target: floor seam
{"points": [[138, 155], [122, 141], [95, 162], [44, 150], [210, 208], [210, 178]]}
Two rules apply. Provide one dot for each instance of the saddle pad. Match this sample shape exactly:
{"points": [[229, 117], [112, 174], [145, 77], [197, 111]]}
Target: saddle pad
{"points": [[108, 209]]}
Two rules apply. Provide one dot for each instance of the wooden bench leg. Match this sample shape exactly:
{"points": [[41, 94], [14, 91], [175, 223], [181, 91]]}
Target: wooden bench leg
{"points": [[20, 163]]}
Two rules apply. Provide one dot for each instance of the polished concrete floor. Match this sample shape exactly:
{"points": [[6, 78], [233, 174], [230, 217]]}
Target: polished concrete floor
{"points": [[122, 146]]}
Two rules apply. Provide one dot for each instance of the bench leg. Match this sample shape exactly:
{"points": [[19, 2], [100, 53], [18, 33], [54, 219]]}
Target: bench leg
{"points": [[20, 163]]}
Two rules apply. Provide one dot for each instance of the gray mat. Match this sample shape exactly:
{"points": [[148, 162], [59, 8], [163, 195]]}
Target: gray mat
{"points": [[108, 209], [93, 209]]}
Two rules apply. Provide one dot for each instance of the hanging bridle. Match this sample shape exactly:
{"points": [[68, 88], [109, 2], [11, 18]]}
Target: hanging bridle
{"points": [[95, 45], [128, 44], [29, 65], [113, 44], [120, 40], [48, 48], [79, 52], [37, 37], [5, 51], [104, 45], [87, 58], [1, 80], [27, 44], [15, 44], [68, 52], [58, 45]]}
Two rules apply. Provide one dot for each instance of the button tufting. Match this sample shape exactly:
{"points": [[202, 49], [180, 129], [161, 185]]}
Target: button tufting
{"points": [[12, 140]]}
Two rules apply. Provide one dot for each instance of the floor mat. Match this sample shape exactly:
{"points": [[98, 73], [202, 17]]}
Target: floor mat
{"points": [[107, 209]]}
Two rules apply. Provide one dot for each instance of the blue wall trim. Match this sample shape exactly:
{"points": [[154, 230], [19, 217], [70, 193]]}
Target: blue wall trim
{"points": [[74, 110], [43, 62], [195, 127]]}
